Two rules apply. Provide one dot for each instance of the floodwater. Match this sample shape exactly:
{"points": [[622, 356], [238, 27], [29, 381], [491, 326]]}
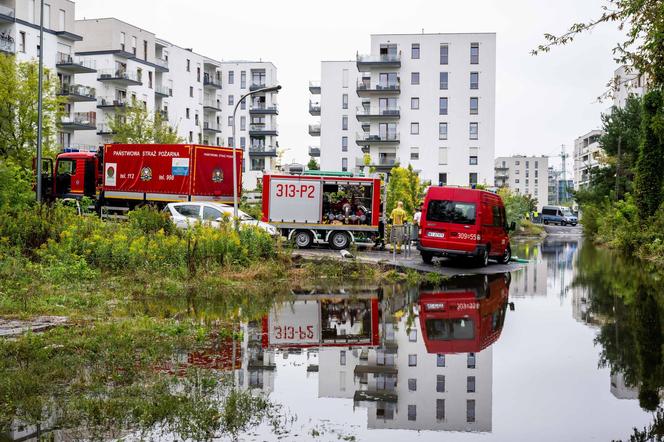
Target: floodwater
{"points": [[563, 349]]}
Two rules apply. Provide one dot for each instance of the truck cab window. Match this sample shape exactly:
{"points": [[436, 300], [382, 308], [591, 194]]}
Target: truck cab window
{"points": [[188, 211], [67, 167], [211, 214]]}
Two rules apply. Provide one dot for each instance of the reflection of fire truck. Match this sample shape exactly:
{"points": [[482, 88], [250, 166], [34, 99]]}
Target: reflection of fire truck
{"points": [[465, 314], [328, 320]]}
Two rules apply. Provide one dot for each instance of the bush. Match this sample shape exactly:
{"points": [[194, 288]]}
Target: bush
{"points": [[148, 220], [15, 187]]}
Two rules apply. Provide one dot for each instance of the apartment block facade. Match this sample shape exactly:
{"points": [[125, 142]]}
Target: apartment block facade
{"points": [[587, 156], [427, 100], [524, 175]]}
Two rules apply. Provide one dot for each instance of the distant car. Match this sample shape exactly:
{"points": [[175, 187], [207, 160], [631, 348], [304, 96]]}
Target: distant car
{"points": [[185, 215], [558, 215]]}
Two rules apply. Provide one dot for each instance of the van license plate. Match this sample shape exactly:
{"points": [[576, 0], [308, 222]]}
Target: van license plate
{"points": [[435, 234]]}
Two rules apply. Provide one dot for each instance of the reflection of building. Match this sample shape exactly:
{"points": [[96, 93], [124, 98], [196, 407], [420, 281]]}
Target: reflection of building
{"points": [[620, 390], [531, 280]]}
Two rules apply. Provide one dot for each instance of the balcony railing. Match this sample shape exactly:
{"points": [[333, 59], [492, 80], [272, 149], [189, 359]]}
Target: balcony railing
{"points": [[384, 162], [264, 109], [68, 62], [367, 86], [314, 108], [212, 104], [78, 92], [368, 138], [211, 126], [163, 91], [7, 44], [263, 129], [104, 129], [7, 14], [80, 120], [111, 102], [314, 129], [210, 81], [256, 86], [314, 151], [119, 75], [314, 87], [382, 60], [263, 150], [161, 62], [393, 112]]}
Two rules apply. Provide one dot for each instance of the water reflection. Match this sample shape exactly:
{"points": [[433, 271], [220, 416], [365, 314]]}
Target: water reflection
{"points": [[417, 359]]}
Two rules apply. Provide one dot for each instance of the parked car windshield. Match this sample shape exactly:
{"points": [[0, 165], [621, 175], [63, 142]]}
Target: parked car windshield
{"points": [[450, 329], [451, 212], [566, 211]]}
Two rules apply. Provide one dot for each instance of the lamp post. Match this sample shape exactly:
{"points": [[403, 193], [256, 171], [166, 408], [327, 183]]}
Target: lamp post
{"points": [[257, 91], [39, 102]]}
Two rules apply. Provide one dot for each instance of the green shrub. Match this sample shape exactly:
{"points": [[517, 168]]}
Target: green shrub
{"points": [[15, 186], [149, 220]]}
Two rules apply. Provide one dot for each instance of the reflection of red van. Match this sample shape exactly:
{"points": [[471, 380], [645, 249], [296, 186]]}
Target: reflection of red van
{"points": [[460, 222], [465, 315]]}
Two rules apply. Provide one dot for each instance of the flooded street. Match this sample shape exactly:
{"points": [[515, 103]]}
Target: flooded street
{"points": [[553, 351]]}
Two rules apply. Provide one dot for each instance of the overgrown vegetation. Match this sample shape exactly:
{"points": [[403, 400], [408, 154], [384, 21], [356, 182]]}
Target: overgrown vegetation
{"points": [[517, 207], [404, 185]]}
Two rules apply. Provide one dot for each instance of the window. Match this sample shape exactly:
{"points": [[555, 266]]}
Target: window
{"points": [[474, 53], [473, 156], [191, 137], [414, 103], [516, 181], [243, 142], [442, 155], [150, 79], [196, 119], [258, 164], [243, 104], [412, 412], [442, 181], [211, 214], [444, 53], [453, 212], [527, 164], [474, 80], [440, 383], [412, 360], [344, 144], [188, 210], [133, 44], [414, 128], [415, 51], [470, 384], [198, 74], [474, 105], [440, 360], [231, 99], [444, 80], [470, 410], [412, 335], [344, 122], [473, 129], [230, 120], [415, 155], [243, 122], [342, 357], [440, 409], [414, 78], [139, 74], [191, 91], [231, 77], [344, 101], [471, 360], [21, 42], [442, 106], [186, 113], [442, 131], [243, 79], [231, 142], [536, 165], [412, 384], [145, 49], [472, 178], [61, 19], [344, 164], [344, 78], [67, 167]]}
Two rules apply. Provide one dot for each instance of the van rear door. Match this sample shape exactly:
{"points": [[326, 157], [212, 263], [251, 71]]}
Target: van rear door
{"points": [[451, 224]]}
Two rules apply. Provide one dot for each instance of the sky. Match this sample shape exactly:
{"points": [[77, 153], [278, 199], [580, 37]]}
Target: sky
{"points": [[542, 101]]}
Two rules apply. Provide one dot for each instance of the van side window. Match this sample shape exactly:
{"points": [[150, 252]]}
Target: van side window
{"points": [[451, 212], [497, 217], [503, 215]]}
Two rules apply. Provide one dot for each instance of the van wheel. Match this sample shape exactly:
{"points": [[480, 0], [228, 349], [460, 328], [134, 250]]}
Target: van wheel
{"points": [[505, 259], [563, 223], [427, 257], [303, 239], [546, 223], [339, 241], [483, 259]]}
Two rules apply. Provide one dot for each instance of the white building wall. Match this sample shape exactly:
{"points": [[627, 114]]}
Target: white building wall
{"points": [[627, 82], [524, 175], [587, 156]]}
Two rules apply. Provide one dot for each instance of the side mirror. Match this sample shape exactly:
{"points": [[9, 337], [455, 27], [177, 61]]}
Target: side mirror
{"points": [[512, 227]]}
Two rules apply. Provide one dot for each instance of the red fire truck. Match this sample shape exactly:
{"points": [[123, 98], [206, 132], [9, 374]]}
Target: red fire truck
{"points": [[464, 315], [125, 175], [337, 210]]}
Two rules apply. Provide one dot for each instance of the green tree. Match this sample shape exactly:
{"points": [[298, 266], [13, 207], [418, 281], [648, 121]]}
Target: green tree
{"points": [[313, 164], [18, 110], [650, 163], [134, 124], [15, 186], [404, 185]]}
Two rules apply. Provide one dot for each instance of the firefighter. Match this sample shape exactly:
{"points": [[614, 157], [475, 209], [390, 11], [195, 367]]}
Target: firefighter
{"points": [[398, 217]]}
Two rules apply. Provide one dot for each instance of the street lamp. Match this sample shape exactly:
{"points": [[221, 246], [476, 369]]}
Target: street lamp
{"points": [[257, 91], [39, 103]]}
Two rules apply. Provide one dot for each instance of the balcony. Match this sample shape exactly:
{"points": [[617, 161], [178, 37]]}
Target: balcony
{"points": [[77, 93], [74, 65], [119, 76], [368, 89], [314, 87], [163, 114], [211, 127], [211, 82], [104, 129], [314, 130], [314, 108], [385, 139], [383, 164], [256, 86], [161, 91], [380, 114], [7, 44], [262, 130], [79, 121], [111, 103], [263, 151], [7, 14], [161, 64], [314, 151], [365, 62], [212, 105], [262, 109]]}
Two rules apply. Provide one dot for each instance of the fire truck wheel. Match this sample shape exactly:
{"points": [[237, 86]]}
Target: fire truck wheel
{"points": [[339, 241], [303, 239]]}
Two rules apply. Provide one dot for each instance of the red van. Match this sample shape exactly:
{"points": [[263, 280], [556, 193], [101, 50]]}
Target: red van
{"points": [[458, 222]]}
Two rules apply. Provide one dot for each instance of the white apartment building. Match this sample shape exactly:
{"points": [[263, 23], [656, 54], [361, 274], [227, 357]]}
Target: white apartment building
{"points": [[587, 156], [422, 99], [627, 82], [524, 175]]}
